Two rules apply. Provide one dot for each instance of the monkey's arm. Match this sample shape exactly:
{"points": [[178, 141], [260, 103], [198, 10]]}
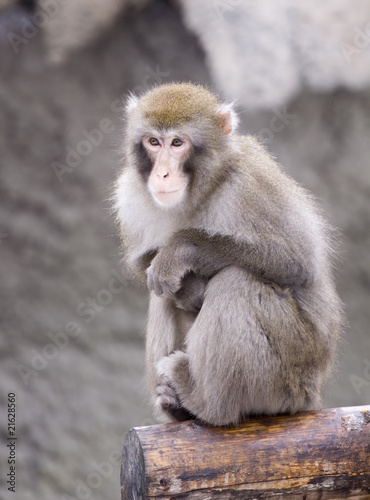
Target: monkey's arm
{"points": [[276, 259]]}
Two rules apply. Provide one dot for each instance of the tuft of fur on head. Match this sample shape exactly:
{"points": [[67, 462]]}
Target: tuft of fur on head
{"points": [[174, 105], [131, 103], [229, 108]]}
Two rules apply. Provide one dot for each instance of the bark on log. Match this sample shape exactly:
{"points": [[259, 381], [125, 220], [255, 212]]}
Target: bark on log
{"points": [[312, 455]]}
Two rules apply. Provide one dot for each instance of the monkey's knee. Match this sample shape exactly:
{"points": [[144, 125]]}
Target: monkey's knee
{"points": [[228, 288], [237, 347], [191, 294]]}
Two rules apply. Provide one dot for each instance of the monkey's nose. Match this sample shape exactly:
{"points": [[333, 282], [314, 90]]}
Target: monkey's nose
{"points": [[163, 175]]}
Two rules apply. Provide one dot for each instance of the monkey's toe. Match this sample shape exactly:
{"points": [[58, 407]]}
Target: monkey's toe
{"points": [[168, 402], [167, 399]]}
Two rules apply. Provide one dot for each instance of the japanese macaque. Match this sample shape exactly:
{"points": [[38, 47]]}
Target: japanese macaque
{"points": [[244, 316]]}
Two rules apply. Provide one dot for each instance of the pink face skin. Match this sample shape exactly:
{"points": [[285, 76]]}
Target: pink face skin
{"points": [[167, 182]]}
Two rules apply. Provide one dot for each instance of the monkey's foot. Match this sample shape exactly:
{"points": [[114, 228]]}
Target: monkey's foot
{"points": [[168, 402], [167, 399]]}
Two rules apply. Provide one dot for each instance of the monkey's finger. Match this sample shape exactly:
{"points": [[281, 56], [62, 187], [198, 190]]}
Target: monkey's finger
{"points": [[153, 283], [166, 389], [173, 286], [149, 280], [157, 286], [167, 290]]}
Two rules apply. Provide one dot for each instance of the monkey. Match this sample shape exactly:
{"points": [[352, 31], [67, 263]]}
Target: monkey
{"points": [[244, 317]]}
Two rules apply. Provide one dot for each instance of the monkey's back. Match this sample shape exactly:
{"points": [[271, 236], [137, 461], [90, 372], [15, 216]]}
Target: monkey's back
{"points": [[262, 206]]}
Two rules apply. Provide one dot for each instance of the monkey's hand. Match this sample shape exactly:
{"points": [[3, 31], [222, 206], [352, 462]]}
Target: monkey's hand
{"points": [[166, 272]]}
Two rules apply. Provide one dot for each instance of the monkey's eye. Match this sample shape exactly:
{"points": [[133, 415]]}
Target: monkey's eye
{"points": [[153, 141], [177, 143]]}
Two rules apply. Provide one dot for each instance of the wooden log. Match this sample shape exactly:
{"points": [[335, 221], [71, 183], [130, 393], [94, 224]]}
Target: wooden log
{"points": [[312, 455]]}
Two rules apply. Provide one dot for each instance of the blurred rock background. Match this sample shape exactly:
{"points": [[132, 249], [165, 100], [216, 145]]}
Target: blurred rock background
{"points": [[72, 325]]}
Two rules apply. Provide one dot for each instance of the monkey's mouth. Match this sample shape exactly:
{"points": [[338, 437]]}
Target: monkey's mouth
{"points": [[170, 197], [169, 192]]}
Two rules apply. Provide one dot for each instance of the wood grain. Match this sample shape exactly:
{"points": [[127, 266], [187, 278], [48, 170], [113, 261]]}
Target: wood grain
{"points": [[312, 455]]}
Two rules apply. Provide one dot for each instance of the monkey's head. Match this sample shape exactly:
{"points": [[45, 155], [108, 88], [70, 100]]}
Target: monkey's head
{"points": [[176, 137]]}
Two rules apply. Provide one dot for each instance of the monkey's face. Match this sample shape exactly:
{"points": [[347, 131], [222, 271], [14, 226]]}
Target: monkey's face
{"points": [[176, 137], [167, 181]]}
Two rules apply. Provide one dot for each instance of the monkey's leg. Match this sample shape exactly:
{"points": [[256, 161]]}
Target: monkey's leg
{"points": [[166, 331], [191, 294], [250, 351]]}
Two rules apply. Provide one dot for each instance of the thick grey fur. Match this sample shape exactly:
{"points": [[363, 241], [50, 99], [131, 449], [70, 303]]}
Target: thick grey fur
{"points": [[244, 316]]}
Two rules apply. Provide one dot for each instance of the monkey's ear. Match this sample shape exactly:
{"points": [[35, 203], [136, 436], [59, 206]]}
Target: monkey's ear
{"points": [[229, 119], [131, 103]]}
